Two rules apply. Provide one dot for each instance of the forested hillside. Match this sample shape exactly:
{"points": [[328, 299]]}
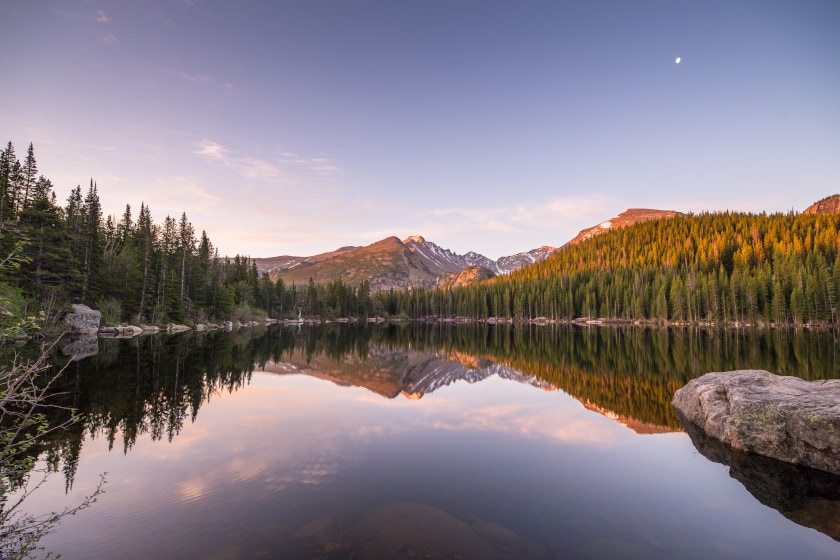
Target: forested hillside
{"points": [[129, 267], [713, 267]]}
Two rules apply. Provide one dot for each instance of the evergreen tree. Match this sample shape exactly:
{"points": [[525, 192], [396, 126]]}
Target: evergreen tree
{"points": [[8, 163], [92, 246], [48, 264], [29, 172]]}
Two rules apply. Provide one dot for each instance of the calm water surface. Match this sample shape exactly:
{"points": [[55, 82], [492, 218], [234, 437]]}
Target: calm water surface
{"points": [[420, 442]]}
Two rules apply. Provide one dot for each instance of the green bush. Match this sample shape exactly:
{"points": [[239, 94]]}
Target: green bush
{"points": [[244, 313], [111, 310], [16, 316]]}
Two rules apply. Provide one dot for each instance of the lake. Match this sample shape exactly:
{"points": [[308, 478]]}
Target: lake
{"points": [[425, 441]]}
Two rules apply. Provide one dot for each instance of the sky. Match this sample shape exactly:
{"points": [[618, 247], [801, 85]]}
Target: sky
{"points": [[294, 128]]}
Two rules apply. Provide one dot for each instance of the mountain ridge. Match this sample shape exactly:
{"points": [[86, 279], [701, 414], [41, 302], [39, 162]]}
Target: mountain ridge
{"points": [[827, 205], [418, 262], [624, 219], [392, 263]]}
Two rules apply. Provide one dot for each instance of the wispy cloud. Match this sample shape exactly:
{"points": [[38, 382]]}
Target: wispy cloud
{"points": [[545, 214], [101, 17], [203, 80], [213, 151], [321, 166], [109, 39], [247, 167], [284, 169]]}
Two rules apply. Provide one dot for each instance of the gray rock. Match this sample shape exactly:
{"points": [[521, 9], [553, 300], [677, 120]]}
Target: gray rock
{"points": [[783, 417], [128, 331], [83, 320], [120, 331]]}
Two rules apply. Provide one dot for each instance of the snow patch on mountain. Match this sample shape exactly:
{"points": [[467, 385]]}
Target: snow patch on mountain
{"points": [[627, 218], [440, 260]]}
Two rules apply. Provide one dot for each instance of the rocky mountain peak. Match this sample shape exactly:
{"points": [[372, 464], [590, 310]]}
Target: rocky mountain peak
{"points": [[828, 205], [627, 218], [391, 263]]}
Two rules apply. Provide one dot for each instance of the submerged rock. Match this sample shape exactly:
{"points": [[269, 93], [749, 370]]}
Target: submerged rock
{"points": [[83, 320], [783, 417]]}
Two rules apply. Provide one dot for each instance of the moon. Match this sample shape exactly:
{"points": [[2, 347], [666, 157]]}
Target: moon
{"points": [[678, 60]]}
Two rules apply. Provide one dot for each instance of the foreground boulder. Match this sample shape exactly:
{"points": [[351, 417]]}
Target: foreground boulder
{"points": [[786, 418], [83, 320]]}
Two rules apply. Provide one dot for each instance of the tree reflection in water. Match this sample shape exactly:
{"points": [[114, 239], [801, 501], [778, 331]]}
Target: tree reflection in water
{"points": [[153, 385]]}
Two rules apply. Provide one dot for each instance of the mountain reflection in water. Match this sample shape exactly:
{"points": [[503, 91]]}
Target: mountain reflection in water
{"points": [[279, 464]]}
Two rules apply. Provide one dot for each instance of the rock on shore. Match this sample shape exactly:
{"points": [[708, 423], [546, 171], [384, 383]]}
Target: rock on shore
{"points": [[83, 320], [783, 417]]}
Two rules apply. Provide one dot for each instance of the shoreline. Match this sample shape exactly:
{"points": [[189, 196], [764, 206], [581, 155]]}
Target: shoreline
{"points": [[130, 331]]}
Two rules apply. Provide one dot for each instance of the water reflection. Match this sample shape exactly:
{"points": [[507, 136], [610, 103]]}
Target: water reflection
{"points": [[154, 384], [338, 441], [807, 496]]}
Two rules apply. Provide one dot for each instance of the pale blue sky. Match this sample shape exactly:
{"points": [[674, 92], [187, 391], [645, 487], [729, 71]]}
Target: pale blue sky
{"points": [[299, 127]]}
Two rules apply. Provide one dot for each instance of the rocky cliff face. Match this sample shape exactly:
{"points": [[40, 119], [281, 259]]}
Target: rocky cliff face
{"points": [[466, 277], [626, 218], [444, 260], [828, 205]]}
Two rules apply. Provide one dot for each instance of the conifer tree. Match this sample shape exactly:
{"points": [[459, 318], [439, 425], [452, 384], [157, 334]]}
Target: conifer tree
{"points": [[186, 241], [92, 245], [8, 161], [29, 172], [48, 263]]}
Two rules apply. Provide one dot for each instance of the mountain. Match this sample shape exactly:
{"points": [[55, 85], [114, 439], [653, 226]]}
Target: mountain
{"points": [[627, 218], [272, 265], [391, 263], [385, 264], [828, 205], [467, 276], [517, 261], [444, 260]]}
